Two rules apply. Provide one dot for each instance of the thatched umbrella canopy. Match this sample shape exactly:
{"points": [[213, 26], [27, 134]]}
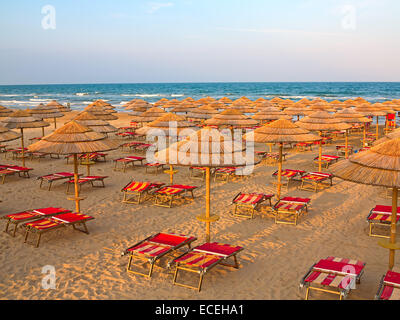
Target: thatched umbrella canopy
{"points": [[322, 121], [59, 106], [280, 131], [74, 138], [46, 112], [202, 113], [263, 105], [370, 111], [22, 119], [211, 149], [150, 115], [225, 100], [100, 113], [378, 166], [88, 119], [270, 114], [5, 112], [298, 110], [169, 125], [231, 118], [138, 105], [350, 116], [160, 102], [393, 135], [319, 106], [185, 107], [8, 135]]}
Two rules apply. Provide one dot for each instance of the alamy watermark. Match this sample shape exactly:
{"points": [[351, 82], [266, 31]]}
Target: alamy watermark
{"points": [[49, 19]]}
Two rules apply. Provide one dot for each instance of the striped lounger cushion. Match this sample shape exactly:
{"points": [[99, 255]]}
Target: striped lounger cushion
{"points": [[383, 214], [335, 272], [250, 198], [391, 289], [169, 191], [33, 213]]}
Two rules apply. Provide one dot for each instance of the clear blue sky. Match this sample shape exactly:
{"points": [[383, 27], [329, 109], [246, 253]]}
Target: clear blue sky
{"points": [[98, 41]]}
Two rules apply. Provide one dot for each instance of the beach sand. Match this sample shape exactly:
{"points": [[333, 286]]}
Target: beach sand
{"points": [[274, 260]]}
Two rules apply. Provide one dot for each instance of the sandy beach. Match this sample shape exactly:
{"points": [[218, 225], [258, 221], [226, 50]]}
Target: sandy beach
{"points": [[274, 260]]}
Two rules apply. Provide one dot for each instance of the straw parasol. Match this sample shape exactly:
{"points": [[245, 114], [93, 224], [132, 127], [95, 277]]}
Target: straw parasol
{"points": [[149, 115], [46, 112], [169, 125], [100, 113], [393, 135], [379, 166], [184, 107], [211, 149], [74, 138], [22, 119], [88, 119], [270, 114], [5, 112], [370, 111], [280, 131], [8, 135], [298, 109], [322, 121], [231, 118], [202, 113], [350, 116], [59, 106]]}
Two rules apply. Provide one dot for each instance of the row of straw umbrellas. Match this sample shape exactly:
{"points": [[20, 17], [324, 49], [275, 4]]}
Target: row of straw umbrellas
{"points": [[198, 149]]}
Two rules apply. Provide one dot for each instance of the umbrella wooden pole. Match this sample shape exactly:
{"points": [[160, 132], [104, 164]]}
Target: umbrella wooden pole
{"points": [[364, 135], [208, 204], [55, 123], [42, 131], [377, 127], [320, 154], [347, 145], [393, 228], [280, 171], [23, 147], [77, 204], [171, 174]]}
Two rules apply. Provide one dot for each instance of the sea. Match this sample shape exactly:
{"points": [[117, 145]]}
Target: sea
{"points": [[80, 95]]}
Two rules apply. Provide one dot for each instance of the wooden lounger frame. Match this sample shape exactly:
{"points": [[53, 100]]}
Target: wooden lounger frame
{"points": [[202, 271], [40, 232], [322, 288], [149, 259], [295, 213], [249, 208]]}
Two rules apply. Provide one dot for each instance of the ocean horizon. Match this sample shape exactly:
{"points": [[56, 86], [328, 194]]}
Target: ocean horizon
{"points": [[117, 94]]}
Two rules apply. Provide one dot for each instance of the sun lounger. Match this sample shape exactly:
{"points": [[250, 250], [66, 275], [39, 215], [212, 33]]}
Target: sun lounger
{"points": [[203, 258], [165, 196], [224, 173], [44, 225], [153, 248], [50, 178], [304, 146], [132, 145], [135, 191], [186, 188], [156, 166], [288, 175], [389, 287], [86, 180], [333, 275], [194, 170], [6, 170], [125, 161], [381, 216], [247, 203], [315, 180], [341, 150], [22, 217], [326, 160], [288, 210]]}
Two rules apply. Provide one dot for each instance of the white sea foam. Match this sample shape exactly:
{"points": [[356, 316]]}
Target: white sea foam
{"points": [[81, 94]]}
